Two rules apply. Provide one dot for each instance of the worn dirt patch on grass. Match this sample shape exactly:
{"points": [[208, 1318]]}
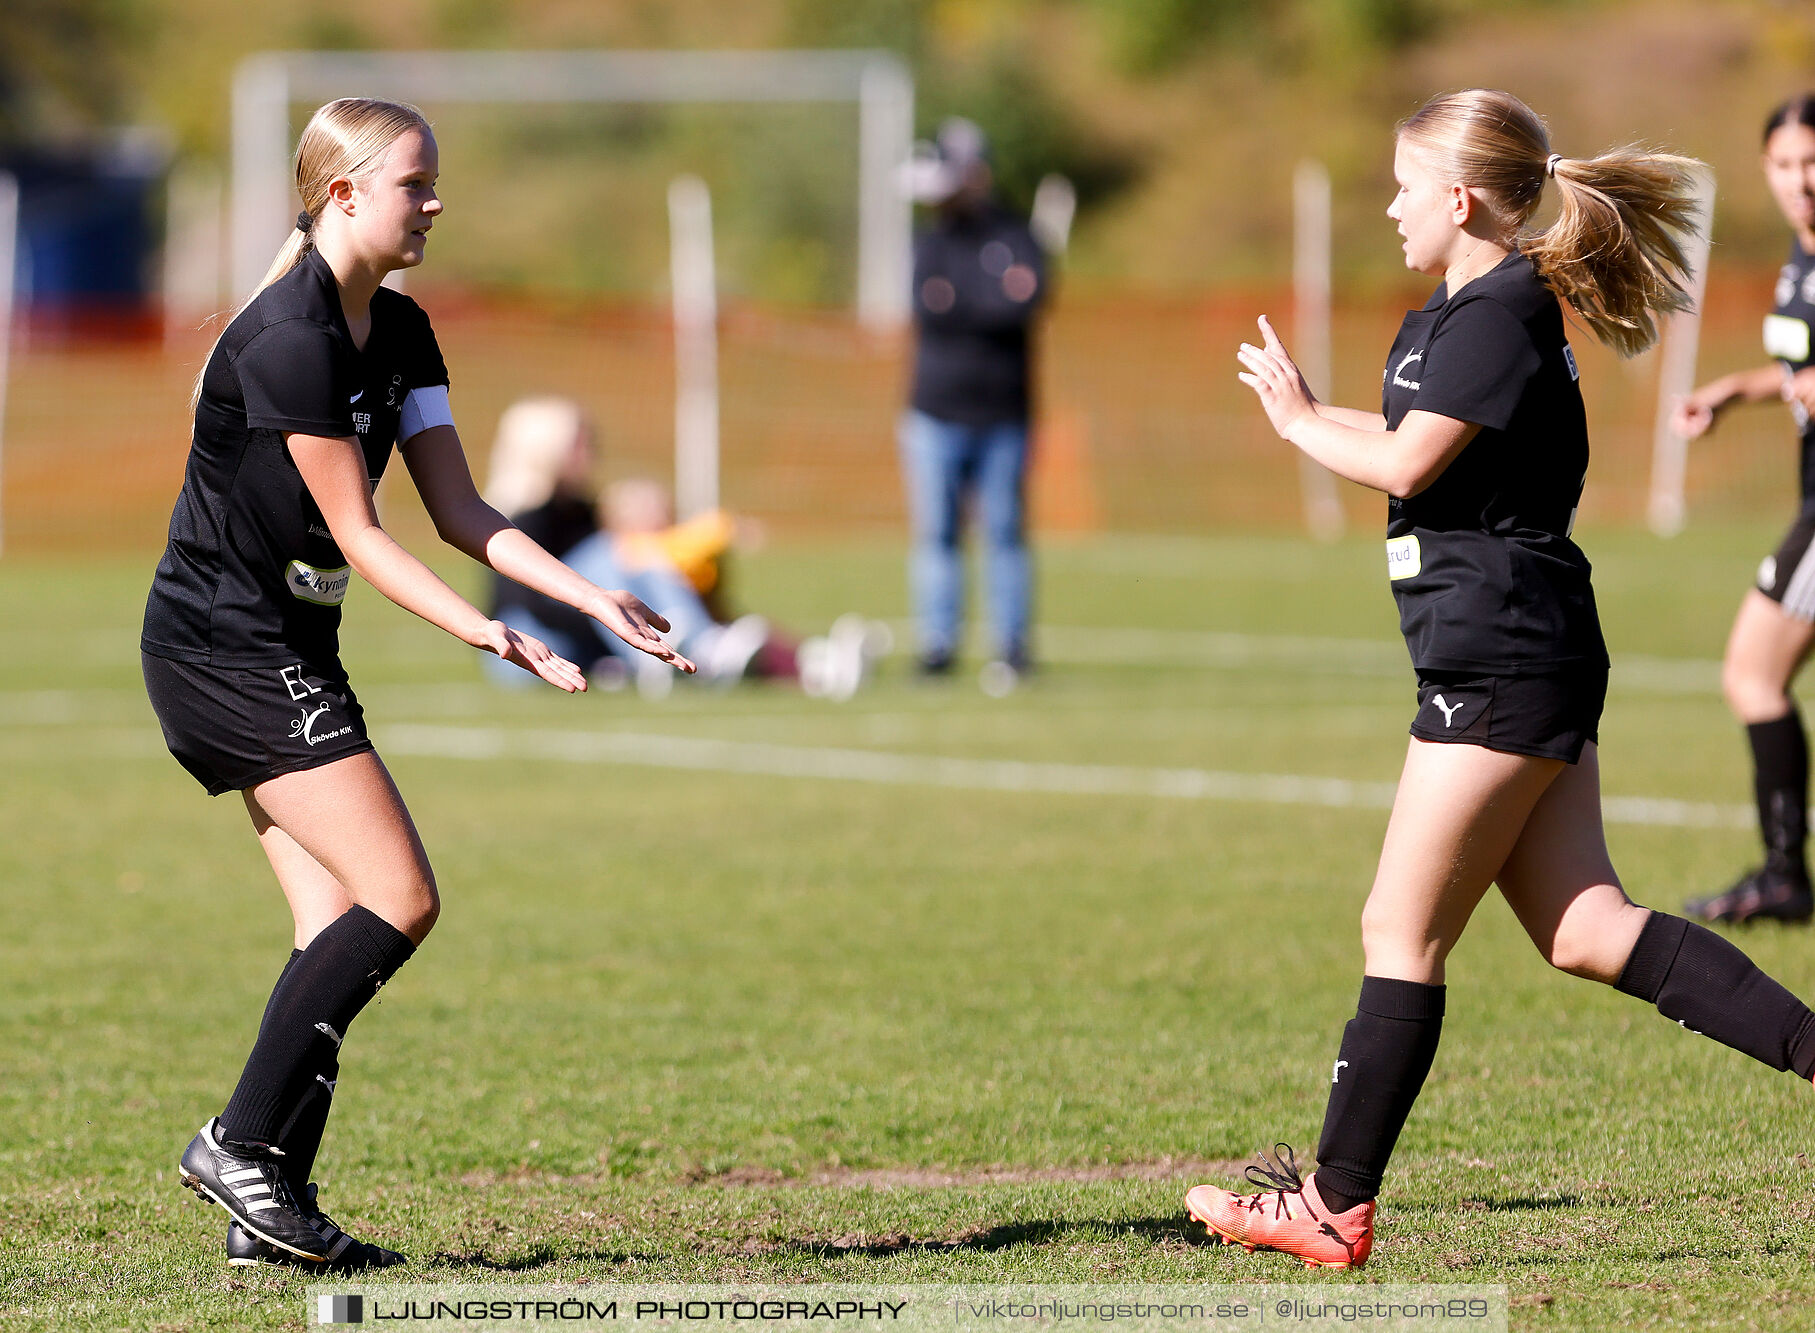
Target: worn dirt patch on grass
{"points": [[939, 1177]]}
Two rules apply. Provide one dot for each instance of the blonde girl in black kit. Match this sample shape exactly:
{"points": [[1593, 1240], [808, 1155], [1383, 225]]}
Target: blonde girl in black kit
{"points": [[296, 415], [1482, 445]]}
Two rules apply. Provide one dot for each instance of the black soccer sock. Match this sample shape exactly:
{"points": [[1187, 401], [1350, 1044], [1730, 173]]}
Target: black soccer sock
{"points": [[1780, 782], [300, 1134], [338, 973], [289, 963], [1386, 1052], [1710, 987]]}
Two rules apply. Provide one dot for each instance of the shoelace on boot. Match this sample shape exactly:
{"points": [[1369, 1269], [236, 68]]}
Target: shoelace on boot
{"points": [[1278, 1178], [270, 1158]]}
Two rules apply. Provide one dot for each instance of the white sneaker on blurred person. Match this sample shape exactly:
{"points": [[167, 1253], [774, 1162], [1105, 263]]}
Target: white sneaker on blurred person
{"points": [[836, 665], [724, 652], [813, 663], [998, 679]]}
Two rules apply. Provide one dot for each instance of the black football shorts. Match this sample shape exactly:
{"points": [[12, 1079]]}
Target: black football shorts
{"points": [[235, 727], [1551, 716], [1787, 575]]}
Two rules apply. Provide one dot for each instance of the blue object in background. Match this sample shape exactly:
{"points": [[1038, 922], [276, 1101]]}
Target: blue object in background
{"points": [[88, 225]]}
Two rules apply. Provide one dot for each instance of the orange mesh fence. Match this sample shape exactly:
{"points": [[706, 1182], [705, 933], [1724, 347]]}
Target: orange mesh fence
{"points": [[1143, 426]]}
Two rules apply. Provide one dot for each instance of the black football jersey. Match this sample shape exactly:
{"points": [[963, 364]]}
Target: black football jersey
{"points": [[1787, 340], [251, 575], [1480, 562]]}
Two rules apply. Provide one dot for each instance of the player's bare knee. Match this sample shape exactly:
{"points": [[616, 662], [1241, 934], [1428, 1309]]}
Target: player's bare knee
{"points": [[1754, 695], [1594, 947], [427, 910]]}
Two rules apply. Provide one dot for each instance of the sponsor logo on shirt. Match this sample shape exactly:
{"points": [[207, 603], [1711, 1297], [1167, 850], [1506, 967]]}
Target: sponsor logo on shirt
{"points": [[362, 422], [1399, 371], [1786, 285], [324, 587], [1786, 338], [1403, 558], [1808, 287]]}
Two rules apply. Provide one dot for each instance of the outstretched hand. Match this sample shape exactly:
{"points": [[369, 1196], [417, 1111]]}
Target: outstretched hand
{"points": [[1691, 418], [534, 656], [1275, 379], [627, 617]]}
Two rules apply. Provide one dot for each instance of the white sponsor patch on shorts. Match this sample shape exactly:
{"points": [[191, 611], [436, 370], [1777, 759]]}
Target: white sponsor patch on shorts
{"points": [[1403, 558], [324, 587], [1786, 337]]}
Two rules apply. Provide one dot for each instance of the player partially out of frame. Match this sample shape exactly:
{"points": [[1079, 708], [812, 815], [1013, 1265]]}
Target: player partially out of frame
{"points": [[1775, 627], [297, 411], [1482, 446]]}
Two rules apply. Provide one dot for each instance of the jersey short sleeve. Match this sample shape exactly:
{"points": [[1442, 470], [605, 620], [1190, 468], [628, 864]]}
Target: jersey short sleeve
{"points": [[293, 376], [423, 366], [1479, 362]]}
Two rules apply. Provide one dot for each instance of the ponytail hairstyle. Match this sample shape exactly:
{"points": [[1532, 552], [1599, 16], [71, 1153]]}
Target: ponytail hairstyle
{"points": [[1796, 111], [346, 137], [1614, 253]]}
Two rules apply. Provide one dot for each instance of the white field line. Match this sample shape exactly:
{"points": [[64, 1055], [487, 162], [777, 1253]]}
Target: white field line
{"points": [[647, 750]]}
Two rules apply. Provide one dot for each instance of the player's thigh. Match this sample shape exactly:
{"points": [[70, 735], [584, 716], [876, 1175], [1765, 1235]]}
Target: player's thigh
{"points": [[316, 898], [1457, 815], [350, 818], [1766, 647], [1560, 881]]}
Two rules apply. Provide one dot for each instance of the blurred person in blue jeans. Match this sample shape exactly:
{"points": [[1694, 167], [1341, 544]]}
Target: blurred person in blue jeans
{"points": [[979, 279]]}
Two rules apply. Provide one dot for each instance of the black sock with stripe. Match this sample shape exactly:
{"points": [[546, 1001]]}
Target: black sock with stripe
{"points": [[1780, 784], [1703, 982], [321, 992], [1387, 1049], [300, 1135]]}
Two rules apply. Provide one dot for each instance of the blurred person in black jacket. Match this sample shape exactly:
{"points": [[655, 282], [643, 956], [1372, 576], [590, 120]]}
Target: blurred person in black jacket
{"points": [[979, 279]]}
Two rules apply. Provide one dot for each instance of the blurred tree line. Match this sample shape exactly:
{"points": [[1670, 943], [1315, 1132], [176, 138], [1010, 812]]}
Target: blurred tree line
{"points": [[1179, 120]]}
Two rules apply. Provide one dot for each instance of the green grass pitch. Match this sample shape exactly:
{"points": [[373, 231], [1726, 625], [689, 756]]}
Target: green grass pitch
{"points": [[702, 1024]]}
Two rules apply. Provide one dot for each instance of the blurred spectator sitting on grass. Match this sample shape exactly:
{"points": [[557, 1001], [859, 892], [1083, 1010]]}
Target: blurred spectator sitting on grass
{"points": [[639, 514], [540, 476]]}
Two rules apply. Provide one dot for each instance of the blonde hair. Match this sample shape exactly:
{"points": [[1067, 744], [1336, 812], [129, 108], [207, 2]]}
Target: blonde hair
{"points": [[346, 137], [534, 441], [1613, 254]]}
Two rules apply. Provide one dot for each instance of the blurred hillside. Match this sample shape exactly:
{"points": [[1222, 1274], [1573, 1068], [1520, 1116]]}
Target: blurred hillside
{"points": [[1180, 120]]}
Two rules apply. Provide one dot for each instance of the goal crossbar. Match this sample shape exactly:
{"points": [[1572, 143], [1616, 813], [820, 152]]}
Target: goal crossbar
{"points": [[268, 85]]}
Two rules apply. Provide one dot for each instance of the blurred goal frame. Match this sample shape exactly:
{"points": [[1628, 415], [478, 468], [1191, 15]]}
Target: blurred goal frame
{"points": [[266, 86]]}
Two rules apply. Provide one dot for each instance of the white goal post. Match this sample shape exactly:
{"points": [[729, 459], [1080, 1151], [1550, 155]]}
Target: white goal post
{"points": [[267, 86]]}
